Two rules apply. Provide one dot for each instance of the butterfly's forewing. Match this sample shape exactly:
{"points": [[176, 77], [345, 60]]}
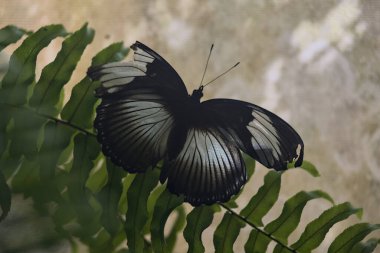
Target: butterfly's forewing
{"points": [[209, 167], [147, 67], [133, 121], [260, 133]]}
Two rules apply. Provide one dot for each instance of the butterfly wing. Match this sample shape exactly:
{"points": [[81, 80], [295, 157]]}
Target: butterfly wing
{"points": [[147, 67], [208, 168], [259, 133], [133, 121]]}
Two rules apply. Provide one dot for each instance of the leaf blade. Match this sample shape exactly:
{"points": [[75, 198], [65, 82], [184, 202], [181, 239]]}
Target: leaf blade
{"points": [[137, 213], [10, 34], [56, 74], [309, 167], [109, 198], [264, 199], [165, 204], [79, 110], [5, 197], [21, 71], [350, 236], [197, 221], [86, 150], [366, 247], [226, 233], [290, 216], [316, 230], [257, 242], [24, 135], [178, 226], [56, 138], [112, 53]]}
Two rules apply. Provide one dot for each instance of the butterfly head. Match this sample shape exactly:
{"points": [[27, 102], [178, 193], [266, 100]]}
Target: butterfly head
{"points": [[197, 94]]}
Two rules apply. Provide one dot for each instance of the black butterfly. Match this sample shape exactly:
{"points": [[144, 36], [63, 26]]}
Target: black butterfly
{"points": [[146, 116]]}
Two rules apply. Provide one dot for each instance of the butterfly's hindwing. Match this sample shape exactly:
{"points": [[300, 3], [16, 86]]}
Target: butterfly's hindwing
{"points": [[209, 168]]}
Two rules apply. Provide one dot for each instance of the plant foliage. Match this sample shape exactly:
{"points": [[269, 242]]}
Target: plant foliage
{"points": [[49, 153]]}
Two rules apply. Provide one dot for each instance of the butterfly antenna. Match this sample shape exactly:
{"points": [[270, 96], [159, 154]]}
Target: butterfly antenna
{"points": [[225, 72], [208, 59]]}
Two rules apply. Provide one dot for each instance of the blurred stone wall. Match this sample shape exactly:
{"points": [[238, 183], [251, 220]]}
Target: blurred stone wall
{"points": [[314, 63]]}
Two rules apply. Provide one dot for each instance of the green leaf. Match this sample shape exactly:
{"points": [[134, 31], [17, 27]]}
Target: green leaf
{"points": [[197, 221], [101, 243], [257, 242], [56, 138], [25, 132], [165, 205], [21, 71], [123, 202], [56, 74], [27, 178], [109, 198], [98, 176], [122, 251], [137, 213], [309, 167], [350, 236], [4, 121], [19, 77], [64, 214], [152, 199], [9, 164], [226, 233], [176, 229], [367, 247], [281, 249], [46, 187], [112, 53], [262, 202], [316, 230], [5, 197], [10, 34], [86, 150], [79, 110], [290, 217]]}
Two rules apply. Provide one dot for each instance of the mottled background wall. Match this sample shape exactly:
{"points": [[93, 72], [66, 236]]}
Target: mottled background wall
{"points": [[315, 63]]}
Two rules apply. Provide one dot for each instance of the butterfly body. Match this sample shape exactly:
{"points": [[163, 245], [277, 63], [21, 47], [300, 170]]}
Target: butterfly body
{"points": [[197, 94], [146, 115]]}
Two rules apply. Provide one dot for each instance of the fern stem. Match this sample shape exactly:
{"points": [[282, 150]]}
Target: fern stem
{"points": [[256, 228], [49, 117]]}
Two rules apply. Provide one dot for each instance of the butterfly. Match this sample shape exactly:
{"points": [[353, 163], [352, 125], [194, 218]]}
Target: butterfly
{"points": [[146, 116]]}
